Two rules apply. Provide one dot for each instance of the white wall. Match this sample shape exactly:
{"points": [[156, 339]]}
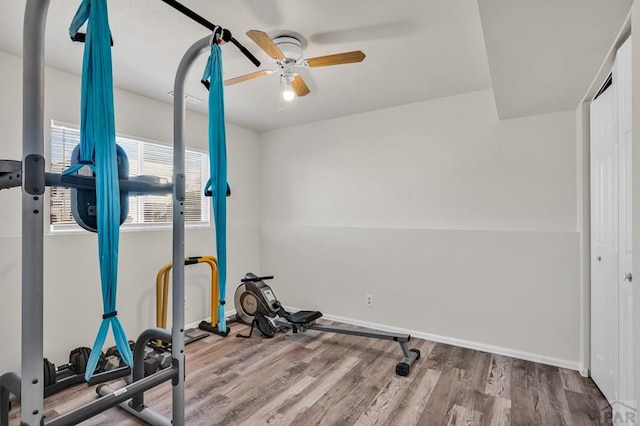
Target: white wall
{"points": [[460, 225], [72, 288]]}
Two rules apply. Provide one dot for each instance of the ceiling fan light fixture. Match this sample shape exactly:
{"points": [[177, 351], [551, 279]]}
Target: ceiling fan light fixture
{"points": [[287, 93]]}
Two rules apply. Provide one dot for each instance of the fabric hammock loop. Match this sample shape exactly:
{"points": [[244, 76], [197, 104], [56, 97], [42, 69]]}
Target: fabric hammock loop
{"points": [[98, 152], [212, 77]]}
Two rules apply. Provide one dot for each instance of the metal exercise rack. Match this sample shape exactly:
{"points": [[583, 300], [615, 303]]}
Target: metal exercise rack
{"points": [[31, 176]]}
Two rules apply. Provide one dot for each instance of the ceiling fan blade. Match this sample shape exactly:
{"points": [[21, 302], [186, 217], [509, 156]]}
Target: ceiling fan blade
{"points": [[337, 59], [246, 77], [263, 40], [299, 86]]}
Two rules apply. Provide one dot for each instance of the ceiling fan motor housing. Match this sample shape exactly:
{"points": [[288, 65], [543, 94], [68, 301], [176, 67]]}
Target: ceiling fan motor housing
{"points": [[291, 47]]}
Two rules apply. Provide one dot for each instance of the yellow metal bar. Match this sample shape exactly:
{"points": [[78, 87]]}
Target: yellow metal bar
{"points": [[160, 295], [165, 298], [162, 290], [215, 291]]}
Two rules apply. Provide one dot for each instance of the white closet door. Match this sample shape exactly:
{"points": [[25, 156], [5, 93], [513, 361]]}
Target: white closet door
{"points": [[622, 75], [604, 243]]}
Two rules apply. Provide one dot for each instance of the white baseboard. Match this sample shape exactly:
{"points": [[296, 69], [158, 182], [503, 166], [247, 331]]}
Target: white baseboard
{"points": [[584, 371], [541, 359]]}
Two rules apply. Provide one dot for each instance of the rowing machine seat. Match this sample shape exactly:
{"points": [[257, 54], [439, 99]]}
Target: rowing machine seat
{"points": [[303, 317]]}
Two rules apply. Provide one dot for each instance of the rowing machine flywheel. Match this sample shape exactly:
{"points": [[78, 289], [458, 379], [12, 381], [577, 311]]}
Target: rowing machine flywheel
{"points": [[246, 304]]}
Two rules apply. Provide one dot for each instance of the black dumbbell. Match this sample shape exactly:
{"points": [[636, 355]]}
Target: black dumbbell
{"points": [[78, 359], [77, 365], [49, 373], [113, 350], [165, 359], [110, 362], [151, 365]]}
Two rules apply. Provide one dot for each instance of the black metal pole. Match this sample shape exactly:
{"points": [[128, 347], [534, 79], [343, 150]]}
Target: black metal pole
{"points": [[205, 23]]}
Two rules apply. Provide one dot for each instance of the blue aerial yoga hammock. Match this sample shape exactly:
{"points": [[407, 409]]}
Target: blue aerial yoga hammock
{"points": [[218, 171], [97, 133]]}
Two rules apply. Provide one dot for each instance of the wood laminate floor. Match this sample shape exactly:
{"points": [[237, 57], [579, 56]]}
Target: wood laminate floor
{"points": [[326, 379]]}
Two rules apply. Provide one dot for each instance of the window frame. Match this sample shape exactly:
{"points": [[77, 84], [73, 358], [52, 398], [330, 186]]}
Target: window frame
{"points": [[74, 228]]}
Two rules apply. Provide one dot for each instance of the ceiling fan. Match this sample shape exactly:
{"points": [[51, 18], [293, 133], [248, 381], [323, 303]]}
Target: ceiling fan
{"points": [[286, 50]]}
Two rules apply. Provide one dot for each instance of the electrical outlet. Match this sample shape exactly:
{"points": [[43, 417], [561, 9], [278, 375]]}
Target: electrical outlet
{"points": [[369, 300], [185, 303]]}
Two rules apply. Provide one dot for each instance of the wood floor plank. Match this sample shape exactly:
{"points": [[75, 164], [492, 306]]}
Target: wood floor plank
{"points": [[439, 356], [583, 412], [523, 407], [311, 339], [412, 407], [524, 374], [572, 381], [287, 414], [474, 400], [328, 379], [257, 394], [596, 396], [461, 358], [286, 396], [500, 413], [443, 397], [350, 396], [499, 378], [476, 371], [461, 416], [383, 406], [552, 402]]}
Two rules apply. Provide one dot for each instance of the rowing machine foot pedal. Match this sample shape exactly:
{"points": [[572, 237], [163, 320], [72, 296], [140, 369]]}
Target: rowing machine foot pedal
{"points": [[261, 323], [246, 336], [264, 325]]}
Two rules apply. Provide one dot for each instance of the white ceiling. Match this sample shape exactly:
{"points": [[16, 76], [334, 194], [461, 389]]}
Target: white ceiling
{"points": [[416, 50], [543, 53]]}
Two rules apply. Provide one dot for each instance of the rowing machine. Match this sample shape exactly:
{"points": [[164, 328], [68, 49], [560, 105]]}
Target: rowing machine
{"points": [[257, 306]]}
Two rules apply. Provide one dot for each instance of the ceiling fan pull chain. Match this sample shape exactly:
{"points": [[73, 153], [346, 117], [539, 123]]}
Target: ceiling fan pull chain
{"points": [[281, 108]]}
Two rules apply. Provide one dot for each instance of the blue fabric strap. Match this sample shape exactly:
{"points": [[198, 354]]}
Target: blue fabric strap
{"points": [[98, 142], [218, 171]]}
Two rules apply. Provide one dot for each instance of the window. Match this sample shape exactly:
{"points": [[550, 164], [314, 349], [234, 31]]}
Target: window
{"points": [[145, 158]]}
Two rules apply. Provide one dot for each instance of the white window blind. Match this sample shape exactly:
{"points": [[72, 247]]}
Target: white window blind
{"points": [[145, 158]]}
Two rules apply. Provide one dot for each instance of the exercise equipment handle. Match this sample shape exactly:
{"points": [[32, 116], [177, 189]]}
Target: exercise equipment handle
{"points": [[256, 279]]}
